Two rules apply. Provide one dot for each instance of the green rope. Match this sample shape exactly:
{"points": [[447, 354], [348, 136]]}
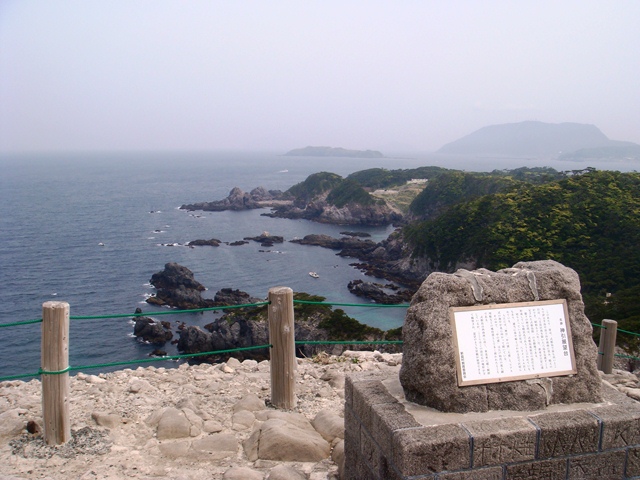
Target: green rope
{"points": [[15, 324], [628, 332], [167, 312], [132, 362], [626, 356], [141, 314], [56, 372], [617, 329], [349, 342], [373, 305], [170, 357], [16, 377]]}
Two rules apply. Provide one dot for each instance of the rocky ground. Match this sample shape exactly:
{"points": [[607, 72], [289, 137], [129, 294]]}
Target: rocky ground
{"points": [[192, 422], [195, 422]]}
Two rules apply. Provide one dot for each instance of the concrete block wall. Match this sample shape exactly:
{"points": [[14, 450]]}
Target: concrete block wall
{"points": [[384, 441]]}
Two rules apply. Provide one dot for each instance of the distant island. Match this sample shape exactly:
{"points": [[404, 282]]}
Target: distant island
{"points": [[333, 152], [538, 139], [630, 152]]}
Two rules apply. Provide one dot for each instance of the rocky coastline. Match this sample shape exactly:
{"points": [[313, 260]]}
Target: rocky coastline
{"points": [[238, 200], [246, 327], [314, 207]]}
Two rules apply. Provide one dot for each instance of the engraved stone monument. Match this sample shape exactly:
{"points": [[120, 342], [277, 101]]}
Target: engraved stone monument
{"points": [[429, 369], [498, 381]]}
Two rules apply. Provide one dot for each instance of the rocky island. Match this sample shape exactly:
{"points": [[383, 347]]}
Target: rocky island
{"points": [[333, 152], [238, 200], [323, 197]]}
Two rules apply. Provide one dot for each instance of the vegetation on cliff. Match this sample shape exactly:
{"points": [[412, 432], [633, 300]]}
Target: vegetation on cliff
{"points": [[350, 192], [315, 185], [339, 191], [382, 178], [329, 198], [454, 186], [589, 221]]}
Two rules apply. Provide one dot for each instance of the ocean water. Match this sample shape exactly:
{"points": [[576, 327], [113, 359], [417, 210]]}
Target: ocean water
{"points": [[58, 208]]}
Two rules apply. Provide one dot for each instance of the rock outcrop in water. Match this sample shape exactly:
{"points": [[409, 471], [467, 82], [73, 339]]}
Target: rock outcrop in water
{"points": [[249, 328], [229, 296], [377, 293], [390, 259], [323, 197], [238, 200], [352, 214], [213, 242], [176, 287], [151, 331]]}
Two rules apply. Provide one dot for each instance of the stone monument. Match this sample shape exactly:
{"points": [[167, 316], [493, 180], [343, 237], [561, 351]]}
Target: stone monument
{"points": [[429, 422], [428, 373]]}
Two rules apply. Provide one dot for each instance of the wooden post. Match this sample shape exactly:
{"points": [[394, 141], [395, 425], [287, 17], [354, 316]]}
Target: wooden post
{"points": [[283, 350], [55, 358], [607, 346]]}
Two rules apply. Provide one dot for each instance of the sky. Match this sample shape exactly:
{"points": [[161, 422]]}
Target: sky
{"points": [[246, 75]]}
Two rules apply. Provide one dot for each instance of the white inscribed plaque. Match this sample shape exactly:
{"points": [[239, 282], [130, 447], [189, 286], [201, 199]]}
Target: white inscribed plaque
{"points": [[512, 341]]}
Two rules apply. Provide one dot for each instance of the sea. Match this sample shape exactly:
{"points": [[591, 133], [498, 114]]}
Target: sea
{"points": [[91, 228]]}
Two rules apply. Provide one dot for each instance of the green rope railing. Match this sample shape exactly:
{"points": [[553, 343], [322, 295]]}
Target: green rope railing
{"points": [[134, 362], [17, 324], [626, 356], [348, 342], [628, 332], [167, 312], [206, 309], [635, 334], [374, 305], [194, 310], [219, 352], [141, 314]]}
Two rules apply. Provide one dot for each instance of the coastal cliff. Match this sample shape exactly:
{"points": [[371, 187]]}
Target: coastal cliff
{"points": [[238, 328], [323, 197]]}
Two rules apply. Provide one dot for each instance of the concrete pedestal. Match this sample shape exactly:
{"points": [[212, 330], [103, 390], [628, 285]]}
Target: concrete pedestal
{"points": [[389, 438]]}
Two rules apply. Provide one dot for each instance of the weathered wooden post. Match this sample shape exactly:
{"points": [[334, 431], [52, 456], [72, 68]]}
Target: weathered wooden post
{"points": [[55, 358], [283, 352], [607, 345]]}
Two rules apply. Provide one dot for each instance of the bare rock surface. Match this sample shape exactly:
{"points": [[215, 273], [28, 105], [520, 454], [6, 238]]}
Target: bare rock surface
{"points": [[189, 422]]}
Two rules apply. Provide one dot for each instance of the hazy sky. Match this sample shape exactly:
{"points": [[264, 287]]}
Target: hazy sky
{"points": [[394, 76]]}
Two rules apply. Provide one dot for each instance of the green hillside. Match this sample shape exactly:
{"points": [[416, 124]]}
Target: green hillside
{"points": [[374, 178], [589, 222], [315, 185], [350, 192], [454, 186]]}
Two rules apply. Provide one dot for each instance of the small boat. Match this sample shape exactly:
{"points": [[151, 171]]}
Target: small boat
{"points": [[101, 244], [314, 275]]}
